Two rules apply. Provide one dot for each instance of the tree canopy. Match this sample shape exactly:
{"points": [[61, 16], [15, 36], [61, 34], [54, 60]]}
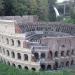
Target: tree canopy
{"points": [[42, 8], [1, 7]]}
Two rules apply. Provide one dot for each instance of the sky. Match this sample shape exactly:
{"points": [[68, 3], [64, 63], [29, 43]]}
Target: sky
{"points": [[61, 0]]}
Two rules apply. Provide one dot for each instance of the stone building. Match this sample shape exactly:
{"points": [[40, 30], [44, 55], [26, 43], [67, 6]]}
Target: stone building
{"points": [[29, 44]]}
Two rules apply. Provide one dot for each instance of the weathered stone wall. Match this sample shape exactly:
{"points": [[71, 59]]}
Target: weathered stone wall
{"points": [[7, 26], [47, 26]]}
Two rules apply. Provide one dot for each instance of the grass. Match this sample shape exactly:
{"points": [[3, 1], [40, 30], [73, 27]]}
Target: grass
{"points": [[8, 70]]}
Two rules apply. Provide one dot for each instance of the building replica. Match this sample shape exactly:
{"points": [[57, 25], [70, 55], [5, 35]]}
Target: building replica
{"points": [[30, 44]]}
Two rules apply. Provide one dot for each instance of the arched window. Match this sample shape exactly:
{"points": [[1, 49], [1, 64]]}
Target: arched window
{"points": [[68, 52], [43, 66], [49, 67], [7, 41], [62, 64], [62, 53], [56, 54], [19, 55], [42, 55], [19, 66], [56, 65], [33, 69], [50, 55], [12, 42], [36, 55], [19, 43], [13, 54], [13, 65], [72, 62], [26, 57], [72, 52], [8, 53], [67, 64], [26, 68], [3, 50], [63, 46]]}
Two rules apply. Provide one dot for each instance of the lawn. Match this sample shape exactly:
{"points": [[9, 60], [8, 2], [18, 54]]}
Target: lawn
{"points": [[8, 70]]}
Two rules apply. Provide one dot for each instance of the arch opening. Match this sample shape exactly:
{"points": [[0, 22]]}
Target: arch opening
{"points": [[72, 62], [26, 68], [7, 40], [42, 55], [56, 54], [62, 53], [26, 57], [49, 67], [12, 42], [19, 56], [13, 54], [42, 66], [19, 43], [72, 52], [36, 55], [56, 66], [19, 66], [68, 52], [67, 64], [13, 65], [62, 64], [33, 69], [50, 55], [8, 53]]}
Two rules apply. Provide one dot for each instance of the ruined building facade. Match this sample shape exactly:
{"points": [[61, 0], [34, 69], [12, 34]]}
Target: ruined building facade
{"points": [[29, 44]]}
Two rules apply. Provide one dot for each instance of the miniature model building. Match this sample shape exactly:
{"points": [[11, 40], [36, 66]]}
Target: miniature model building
{"points": [[30, 44]]}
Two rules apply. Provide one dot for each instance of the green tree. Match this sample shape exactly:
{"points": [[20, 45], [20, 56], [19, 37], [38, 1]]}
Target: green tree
{"points": [[52, 15], [9, 7], [16, 7], [42, 9], [1, 7], [72, 14], [21, 7], [71, 19], [33, 7]]}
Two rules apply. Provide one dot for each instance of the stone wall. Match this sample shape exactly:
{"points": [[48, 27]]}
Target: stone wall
{"points": [[47, 26]]}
